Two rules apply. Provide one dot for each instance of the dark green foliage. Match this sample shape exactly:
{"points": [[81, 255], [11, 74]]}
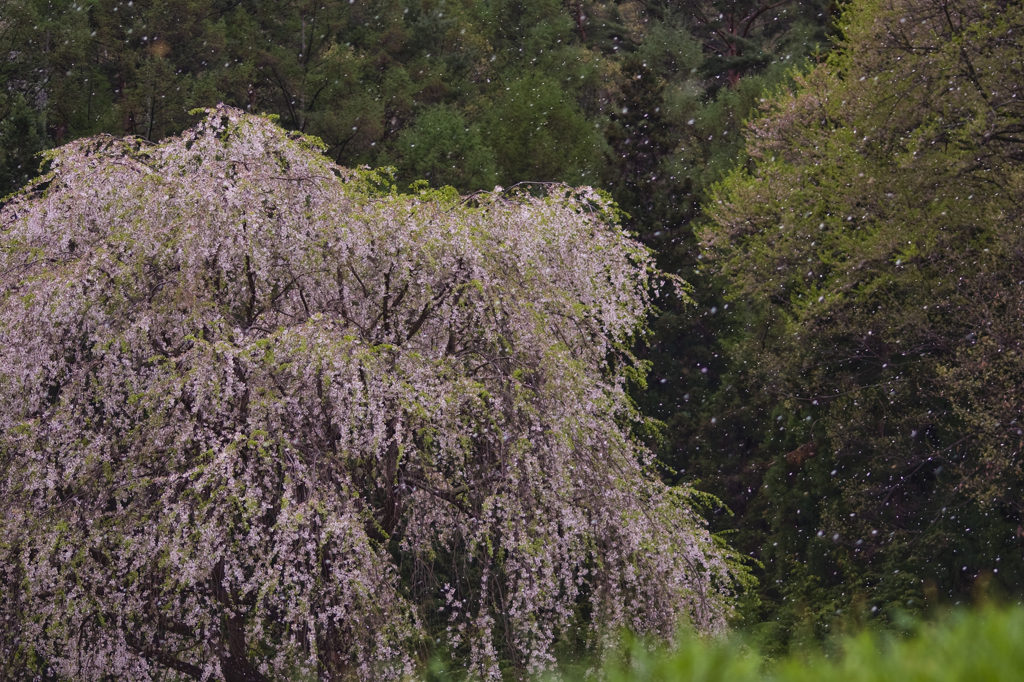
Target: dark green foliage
{"points": [[443, 149], [874, 247], [539, 79], [521, 29], [640, 138], [742, 37], [539, 133], [21, 139]]}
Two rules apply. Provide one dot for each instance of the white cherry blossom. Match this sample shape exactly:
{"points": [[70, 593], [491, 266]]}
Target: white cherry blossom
{"points": [[263, 418]]}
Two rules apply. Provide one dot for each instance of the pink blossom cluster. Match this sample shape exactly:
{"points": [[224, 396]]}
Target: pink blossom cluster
{"points": [[264, 418]]}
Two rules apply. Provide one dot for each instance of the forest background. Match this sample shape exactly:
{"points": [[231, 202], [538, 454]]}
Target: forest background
{"points": [[857, 421]]}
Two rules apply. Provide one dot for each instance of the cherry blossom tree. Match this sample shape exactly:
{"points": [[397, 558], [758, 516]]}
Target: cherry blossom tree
{"points": [[262, 418]]}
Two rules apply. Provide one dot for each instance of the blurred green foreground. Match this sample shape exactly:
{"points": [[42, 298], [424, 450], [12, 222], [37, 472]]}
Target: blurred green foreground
{"points": [[966, 646], [982, 645]]}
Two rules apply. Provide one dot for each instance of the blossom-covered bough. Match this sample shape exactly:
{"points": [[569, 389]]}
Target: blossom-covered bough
{"points": [[264, 419]]}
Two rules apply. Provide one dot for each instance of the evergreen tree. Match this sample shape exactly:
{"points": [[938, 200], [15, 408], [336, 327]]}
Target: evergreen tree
{"points": [[21, 139]]}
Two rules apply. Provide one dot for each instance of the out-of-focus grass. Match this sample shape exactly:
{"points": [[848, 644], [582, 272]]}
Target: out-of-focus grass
{"points": [[966, 646], [693, 659], [985, 645]]}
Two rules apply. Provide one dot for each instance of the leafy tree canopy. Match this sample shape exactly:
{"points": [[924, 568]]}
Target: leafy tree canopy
{"points": [[876, 239]]}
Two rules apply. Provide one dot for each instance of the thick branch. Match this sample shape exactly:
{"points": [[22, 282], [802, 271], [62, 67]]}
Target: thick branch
{"points": [[162, 657]]}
